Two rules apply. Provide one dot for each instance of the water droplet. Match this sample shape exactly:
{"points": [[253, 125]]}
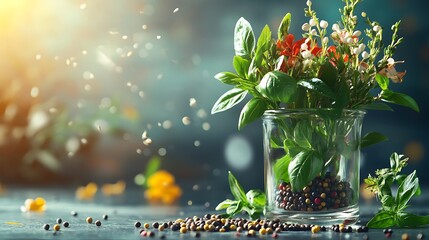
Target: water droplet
{"points": [[186, 120], [197, 143], [167, 124], [144, 27], [175, 10], [192, 102], [206, 126], [158, 37], [162, 152]]}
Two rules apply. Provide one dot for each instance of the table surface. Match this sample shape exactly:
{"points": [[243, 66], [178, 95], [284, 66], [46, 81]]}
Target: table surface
{"points": [[125, 210]]}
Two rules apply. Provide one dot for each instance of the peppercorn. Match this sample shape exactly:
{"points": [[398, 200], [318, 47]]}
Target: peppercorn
{"points": [[315, 229], [59, 220], [183, 230], [105, 216], [155, 225], [66, 224], [175, 227], [89, 220], [161, 228], [150, 234], [73, 213], [46, 227], [137, 224], [262, 231], [143, 233], [251, 233], [420, 236], [57, 227], [146, 225], [405, 236], [98, 223]]}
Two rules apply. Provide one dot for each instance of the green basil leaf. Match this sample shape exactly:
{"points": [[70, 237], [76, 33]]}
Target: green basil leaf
{"points": [[284, 26], [303, 168], [411, 220], [234, 209], [229, 100], [263, 45], [228, 78], [406, 190], [371, 139], [236, 189], [318, 86], [241, 66], [256, 198], [395, 162], [244, 39], [343, 96], [253, 110], [377, 106], [280, 168], [303, 133], [329, 75], [382, 80], [277, 86], [401, 178], [400, 99], [388, 202], [382, 219], [225, 204]]}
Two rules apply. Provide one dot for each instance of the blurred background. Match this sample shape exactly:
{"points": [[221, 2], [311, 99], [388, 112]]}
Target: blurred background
{"points": [[91, 90]]}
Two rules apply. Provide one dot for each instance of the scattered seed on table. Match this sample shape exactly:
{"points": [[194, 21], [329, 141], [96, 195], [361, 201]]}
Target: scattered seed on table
{"points": [[66, 224], [57, 227], [73, 213], [137, 224], [105, 216], [89, 220], [150, 234], [183, 230], [146, 225], [405, 236], [143, 233], [46, 227], [59, 220], [315, 229], [388, 235], [155, 225], [161, 228], [420, 236], [98, 223]]}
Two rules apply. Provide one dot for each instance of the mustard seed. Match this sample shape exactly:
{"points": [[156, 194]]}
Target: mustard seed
{"points": [[146, 225], [405, 236], [89, 220], [183, 230], [57, 227]]}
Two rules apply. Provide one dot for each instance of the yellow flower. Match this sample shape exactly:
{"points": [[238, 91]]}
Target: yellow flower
{"points": [[34, 205], [117, 188], [162, 188], [86, 192]]}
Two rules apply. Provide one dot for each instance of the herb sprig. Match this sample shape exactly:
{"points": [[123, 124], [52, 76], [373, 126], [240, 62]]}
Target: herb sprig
{"points": [[252, 202], [392, 212]]}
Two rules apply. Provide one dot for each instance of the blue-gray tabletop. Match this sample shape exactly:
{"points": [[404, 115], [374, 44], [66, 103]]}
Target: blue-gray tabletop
{"points": [[123, 211]]}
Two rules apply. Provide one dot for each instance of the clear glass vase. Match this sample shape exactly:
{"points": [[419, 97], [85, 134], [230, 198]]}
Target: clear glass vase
{"points": [[312, 159]]}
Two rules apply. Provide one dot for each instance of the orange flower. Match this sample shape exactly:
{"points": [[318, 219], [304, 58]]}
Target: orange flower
{"points": [[117, 188], [333, 50], [162, 188], [34, 205], [86, 192], [291, 50]]}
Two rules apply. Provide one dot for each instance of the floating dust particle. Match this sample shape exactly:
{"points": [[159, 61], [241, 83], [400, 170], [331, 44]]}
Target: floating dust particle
{"points": [[197, 143], [144, 135], [175, 10], [158, 37], [53, 110], [138, 151], [167, 124], [82, 6], [192, 102], [87, 87], [159, 77], [144, 27], [189, 203], [201, 113], [74, 64], [84, 52], [83, 140], [162, 152], [141, 94], [124, 37], [38, 56], [129, 84], [135, 45], [206, 204], [149, 126], [206, 126], [87, 75], [196, 187], [34, 92], [111, 32], [159, 124], [147, 141], [129, 53], [186, 120]]}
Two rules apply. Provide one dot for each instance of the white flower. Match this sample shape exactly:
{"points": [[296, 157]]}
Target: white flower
{"points": [[304, 46], [325, 40], [309, 3], [376, 28], [348, 40], [356, 51], [357, 33], [305, 27], [362, 47], [313, 32], [365, 55], [336, 27], [391, 61], [306, 54], [323, 24], [312, 22], [363, 14], [355, 18]]}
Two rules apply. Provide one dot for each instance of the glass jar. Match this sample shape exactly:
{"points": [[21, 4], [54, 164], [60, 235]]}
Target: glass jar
{"points": [[312, 159]]}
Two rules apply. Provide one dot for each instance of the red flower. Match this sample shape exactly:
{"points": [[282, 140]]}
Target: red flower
{"points": [[291, 50], [337, 56]]}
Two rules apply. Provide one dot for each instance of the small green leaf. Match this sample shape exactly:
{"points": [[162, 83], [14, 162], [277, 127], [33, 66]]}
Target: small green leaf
{"points": [[406, 190], [400, 99], [152, 166], [228, 78], [284, 26], [229, 100], [401, 178], [395, 161], [234, 209], [280, 168], [225, 204], [382, 219], [256, 198], [277, 86], [244, 39], [241, 66], [388, 202], [329, 75], [409, 220], [318, 86], [253, 110], [382, 80], [303, 133], [372, 138], [303, 168], [236, 189], [377, 106], [343, 95], [263, 45]]}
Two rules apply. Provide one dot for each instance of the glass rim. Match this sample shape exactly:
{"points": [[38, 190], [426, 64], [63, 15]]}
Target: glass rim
{"points": [[311, 111]]}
